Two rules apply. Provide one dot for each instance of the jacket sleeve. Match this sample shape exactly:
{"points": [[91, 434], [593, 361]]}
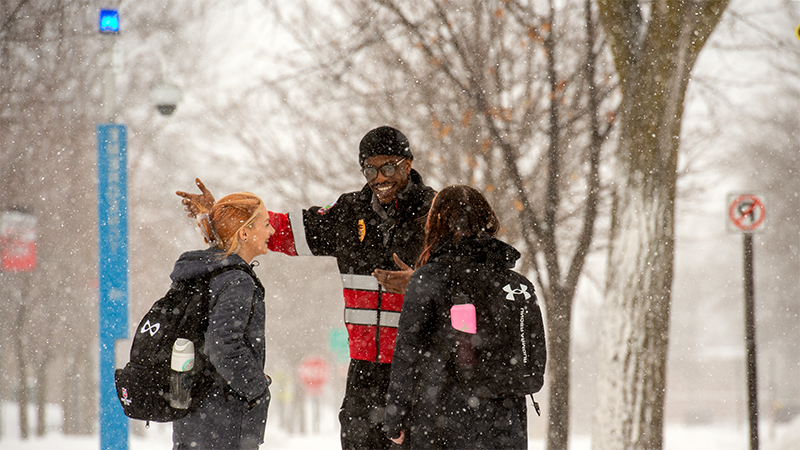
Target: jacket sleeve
{"points": [[282, 241], [412, 351], [316, 231], [230, 310]]}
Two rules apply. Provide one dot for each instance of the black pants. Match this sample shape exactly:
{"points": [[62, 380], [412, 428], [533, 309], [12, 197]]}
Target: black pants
{"points": [[223, 421], [361, 415]]}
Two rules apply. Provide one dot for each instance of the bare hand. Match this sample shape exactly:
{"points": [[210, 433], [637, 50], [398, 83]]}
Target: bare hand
{"points": [[192, 202], [399, 440], [394, 281]]}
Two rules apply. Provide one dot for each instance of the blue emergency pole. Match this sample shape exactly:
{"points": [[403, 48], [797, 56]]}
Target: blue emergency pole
{"points": [[112, 224], [112, 207]]}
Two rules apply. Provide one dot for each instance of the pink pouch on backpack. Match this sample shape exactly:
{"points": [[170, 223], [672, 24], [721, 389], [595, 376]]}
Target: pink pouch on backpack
{"points": [[462, 318]]}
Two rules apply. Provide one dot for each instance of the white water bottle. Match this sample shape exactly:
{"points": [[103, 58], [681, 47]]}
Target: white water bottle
{"points": [[180, 382]]}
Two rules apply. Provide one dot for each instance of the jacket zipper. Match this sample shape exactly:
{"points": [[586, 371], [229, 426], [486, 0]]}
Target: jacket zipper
{"points": [[378, 327]]}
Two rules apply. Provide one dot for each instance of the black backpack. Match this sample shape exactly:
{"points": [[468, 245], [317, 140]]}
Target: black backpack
{"points": [[143, 385], [507, 353]]}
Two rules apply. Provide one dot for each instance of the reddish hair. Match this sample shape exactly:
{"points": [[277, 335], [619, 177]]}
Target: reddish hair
{"points": [[229, 214], [457, 212]]}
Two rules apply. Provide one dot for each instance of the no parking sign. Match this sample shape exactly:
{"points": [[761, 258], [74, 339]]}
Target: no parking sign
{"points": [[747, 212]]}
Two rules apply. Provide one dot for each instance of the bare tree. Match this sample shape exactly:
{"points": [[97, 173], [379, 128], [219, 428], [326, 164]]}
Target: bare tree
{"points": [[45, 128], [655, 46]]}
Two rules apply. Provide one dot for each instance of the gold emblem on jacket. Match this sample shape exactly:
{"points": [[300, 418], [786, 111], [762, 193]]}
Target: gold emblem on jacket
{"points": [[362, 230]]}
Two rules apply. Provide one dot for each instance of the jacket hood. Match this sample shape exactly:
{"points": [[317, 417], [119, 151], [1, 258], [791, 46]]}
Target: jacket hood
{"points": [[485, 250], [200, 262]]}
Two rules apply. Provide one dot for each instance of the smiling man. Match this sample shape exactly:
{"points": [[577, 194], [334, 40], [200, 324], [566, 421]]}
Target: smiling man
{"points": [[372, 233]]}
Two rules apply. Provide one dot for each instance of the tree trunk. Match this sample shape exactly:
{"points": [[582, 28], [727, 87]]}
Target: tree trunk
{"points": [[558, 368], [69, 398], [634, 339], [562, 292], [41, 388], [22, 394], [80, 402], [41, 403], [653, 57]]}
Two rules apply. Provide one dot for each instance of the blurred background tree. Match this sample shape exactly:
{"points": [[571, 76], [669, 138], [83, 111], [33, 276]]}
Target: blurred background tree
{"points": [[47, 93]]}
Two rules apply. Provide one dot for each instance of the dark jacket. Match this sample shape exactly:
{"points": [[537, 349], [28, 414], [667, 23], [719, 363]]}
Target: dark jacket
{"points": [[424, 399], [362, 235], [229, 417]]}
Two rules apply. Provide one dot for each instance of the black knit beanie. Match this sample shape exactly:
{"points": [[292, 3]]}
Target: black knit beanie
{"points": [[383, 141]]}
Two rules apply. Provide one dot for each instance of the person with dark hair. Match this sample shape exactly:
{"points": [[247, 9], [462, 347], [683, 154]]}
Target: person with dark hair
{"points": [[427, 407], [233, 415], [371, 233]]}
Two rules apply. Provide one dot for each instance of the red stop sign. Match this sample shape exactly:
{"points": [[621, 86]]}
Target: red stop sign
{"points": [[314, 373]]}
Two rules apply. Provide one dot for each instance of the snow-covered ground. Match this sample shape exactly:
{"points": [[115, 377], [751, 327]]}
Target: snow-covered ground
{"points": [[158, 437]]}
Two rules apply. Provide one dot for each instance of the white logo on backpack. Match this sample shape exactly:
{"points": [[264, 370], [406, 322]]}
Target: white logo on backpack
{"points": [[512, 293], [152, 329]]}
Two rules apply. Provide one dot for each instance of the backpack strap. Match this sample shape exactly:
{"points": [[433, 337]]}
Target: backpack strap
{"points": [[206, 281], [201, 282]]}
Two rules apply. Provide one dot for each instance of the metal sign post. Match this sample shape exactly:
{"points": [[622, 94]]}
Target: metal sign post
{"points": [[750, 338], [747, 213]]}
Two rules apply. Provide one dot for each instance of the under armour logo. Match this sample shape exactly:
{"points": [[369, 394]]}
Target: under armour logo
{"points": [[153, 329], [512, 293]]}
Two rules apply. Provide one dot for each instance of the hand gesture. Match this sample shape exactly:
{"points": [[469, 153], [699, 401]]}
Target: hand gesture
{"points": [[394, 281], [193, 202]]}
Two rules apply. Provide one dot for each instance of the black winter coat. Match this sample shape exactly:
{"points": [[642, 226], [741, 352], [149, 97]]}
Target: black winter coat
{"points": [[425, 400], [229, 417], [362, 235]]}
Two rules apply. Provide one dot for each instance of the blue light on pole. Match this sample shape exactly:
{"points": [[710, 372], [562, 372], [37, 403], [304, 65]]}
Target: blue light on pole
{"points": [[112, 267], [109, 21]]}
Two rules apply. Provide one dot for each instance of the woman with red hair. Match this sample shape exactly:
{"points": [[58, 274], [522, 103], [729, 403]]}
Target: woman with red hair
{"points": [[233, 414]]}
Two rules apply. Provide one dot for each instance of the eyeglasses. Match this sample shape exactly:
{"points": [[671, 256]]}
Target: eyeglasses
{"points": [[388, 169]]}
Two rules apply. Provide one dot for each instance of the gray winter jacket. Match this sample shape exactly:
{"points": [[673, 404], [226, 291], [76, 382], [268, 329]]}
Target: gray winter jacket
{"points": [[234, 414]]}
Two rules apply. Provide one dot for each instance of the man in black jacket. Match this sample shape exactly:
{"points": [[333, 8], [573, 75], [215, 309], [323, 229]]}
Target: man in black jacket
{"points": [[371, 233]]}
